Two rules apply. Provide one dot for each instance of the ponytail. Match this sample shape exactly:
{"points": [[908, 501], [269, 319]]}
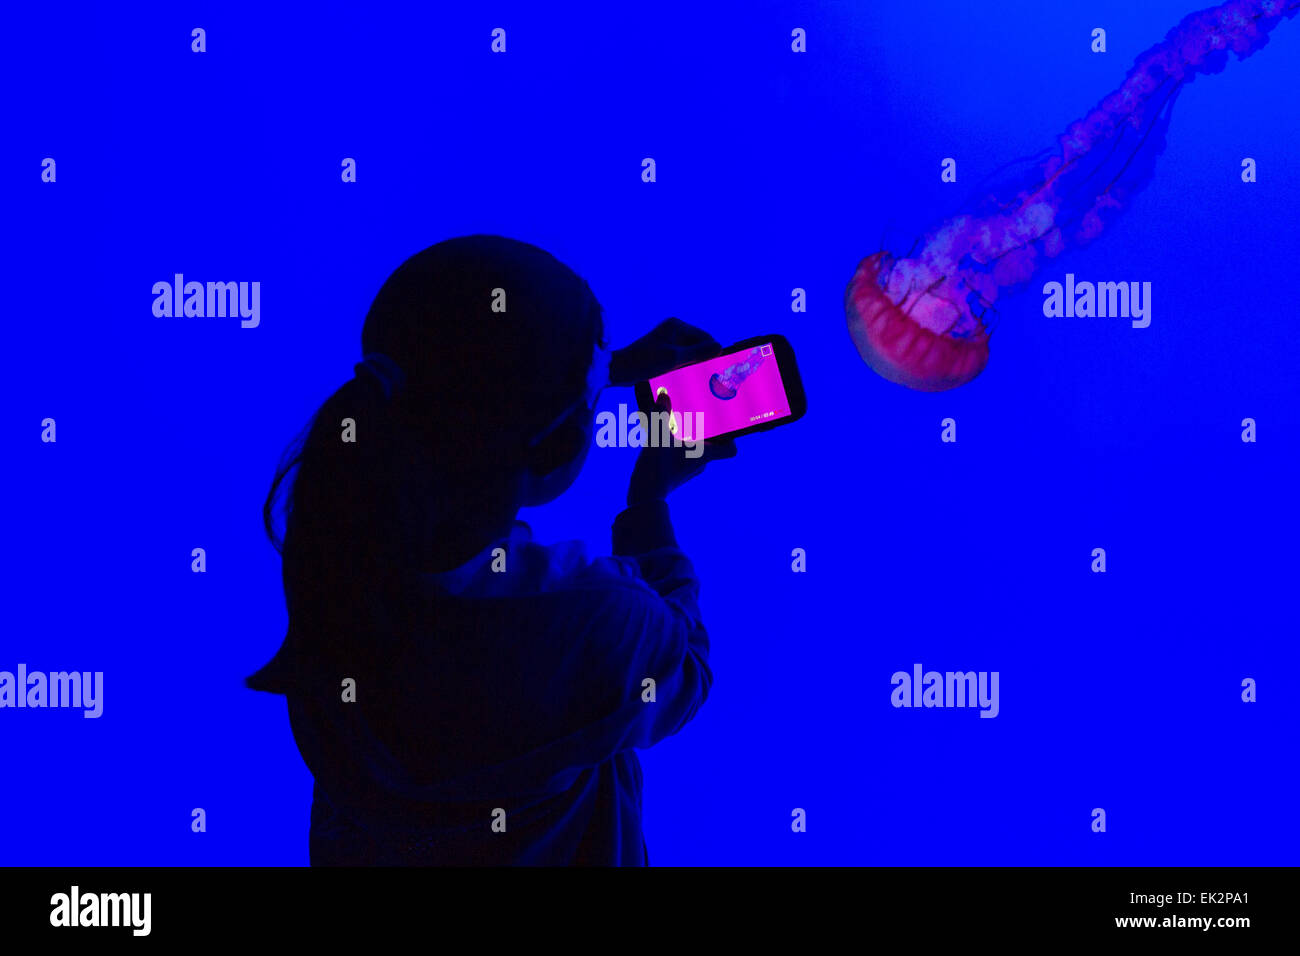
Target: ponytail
{"points": [[351, 517]]}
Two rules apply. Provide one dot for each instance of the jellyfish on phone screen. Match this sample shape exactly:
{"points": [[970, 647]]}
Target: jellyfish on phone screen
{"points": [[923, 320], [726, 383]]}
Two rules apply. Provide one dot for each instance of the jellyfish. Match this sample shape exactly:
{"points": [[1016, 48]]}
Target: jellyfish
{"points": [[726, 383], [924, 320]]}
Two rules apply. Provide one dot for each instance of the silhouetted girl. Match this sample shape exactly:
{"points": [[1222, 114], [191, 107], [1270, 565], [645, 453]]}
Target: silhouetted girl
{"points": [[462, 694]]}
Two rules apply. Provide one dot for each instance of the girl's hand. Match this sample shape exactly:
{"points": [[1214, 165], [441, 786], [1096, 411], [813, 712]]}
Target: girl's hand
{"points": [[669, 344], [661, 470]]}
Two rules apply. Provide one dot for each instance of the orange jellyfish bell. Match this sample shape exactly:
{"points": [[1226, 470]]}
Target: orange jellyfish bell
{"points": [[901, 348]]}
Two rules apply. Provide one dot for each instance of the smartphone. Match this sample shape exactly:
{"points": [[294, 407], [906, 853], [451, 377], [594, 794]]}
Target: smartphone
{"points": [[751, 386]]}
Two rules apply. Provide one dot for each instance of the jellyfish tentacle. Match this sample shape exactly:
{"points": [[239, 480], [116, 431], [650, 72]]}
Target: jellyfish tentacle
{"points": [[1138, 148], [1122, 125]]}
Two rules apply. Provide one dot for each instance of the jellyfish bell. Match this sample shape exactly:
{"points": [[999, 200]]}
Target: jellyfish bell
{"points": [[720, 388], [726, 384], [917, 348]]}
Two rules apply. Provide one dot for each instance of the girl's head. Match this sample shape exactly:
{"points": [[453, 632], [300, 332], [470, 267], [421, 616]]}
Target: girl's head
{"points": [[474, 400], [496, 339]]}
